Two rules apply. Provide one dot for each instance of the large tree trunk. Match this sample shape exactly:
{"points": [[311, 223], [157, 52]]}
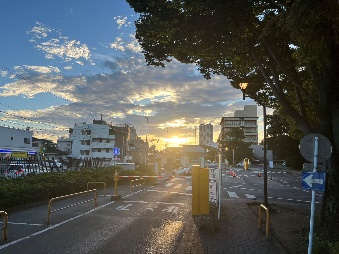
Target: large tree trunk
{"points": [[330, 209]]}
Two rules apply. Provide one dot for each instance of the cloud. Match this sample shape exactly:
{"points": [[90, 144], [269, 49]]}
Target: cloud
{"points": [[122, 21], [118, 84], [60, 46], [39, 69]]}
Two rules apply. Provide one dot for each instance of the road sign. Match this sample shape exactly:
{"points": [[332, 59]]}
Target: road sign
{"points": [[116, 151], [313, 180], [307, 147]]}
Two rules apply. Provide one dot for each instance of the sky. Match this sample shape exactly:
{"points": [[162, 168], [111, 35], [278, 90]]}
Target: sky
{"points": [[71, 61]]}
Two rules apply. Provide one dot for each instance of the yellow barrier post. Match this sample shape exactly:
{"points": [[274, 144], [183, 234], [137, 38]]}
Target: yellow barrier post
{"points": [[98, 183], [267, 218], [49, 211], [5, 223], [116, 179], [200, 190]]}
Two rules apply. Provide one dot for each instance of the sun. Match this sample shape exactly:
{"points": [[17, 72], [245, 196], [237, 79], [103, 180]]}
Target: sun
{"points": [[176, 141]]}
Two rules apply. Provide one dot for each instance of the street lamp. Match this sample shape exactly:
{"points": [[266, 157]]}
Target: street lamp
{"points": [[243, 87]]}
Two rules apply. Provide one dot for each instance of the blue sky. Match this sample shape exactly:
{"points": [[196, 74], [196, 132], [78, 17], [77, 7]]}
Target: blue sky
{"points": [[69, 61]]}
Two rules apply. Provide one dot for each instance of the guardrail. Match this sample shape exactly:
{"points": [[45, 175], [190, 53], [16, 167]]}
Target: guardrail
{"points": [[68, 196], [137, 180], [98, 183], [5, 223], [267, 218]]}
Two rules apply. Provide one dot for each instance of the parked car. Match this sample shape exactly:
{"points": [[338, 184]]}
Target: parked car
{"points": [[181, 171], [54, 163], [17, 170]]}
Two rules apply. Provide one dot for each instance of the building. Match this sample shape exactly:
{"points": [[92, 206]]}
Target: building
{"points": [[205, 134], [245, 119], [49, 150], [16, 142], [96, 140]]}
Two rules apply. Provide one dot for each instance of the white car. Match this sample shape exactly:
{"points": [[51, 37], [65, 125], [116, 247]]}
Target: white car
{"points": [[181, 171]]}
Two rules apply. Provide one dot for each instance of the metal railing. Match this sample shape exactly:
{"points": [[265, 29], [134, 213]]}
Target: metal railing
{"points": [[69, 196], [267, 218], [98, 183]]}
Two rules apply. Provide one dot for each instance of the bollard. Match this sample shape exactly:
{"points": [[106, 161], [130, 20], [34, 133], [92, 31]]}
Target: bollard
{"points": [[116, 179], [5, 224], [267, 218]]}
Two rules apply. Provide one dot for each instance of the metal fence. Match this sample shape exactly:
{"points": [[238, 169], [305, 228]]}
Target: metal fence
{"points": [[17, 167]]}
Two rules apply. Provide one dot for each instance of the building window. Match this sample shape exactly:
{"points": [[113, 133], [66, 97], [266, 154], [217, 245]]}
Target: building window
{"points": [[34, 144], [99, 150], [27, 141], [107, 150]]}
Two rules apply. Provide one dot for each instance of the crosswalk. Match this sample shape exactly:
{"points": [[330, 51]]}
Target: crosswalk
{"points": [[237, 191]]}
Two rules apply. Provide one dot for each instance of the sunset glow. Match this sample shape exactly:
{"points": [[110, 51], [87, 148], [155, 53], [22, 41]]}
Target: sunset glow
{"points": [[177, 141]]}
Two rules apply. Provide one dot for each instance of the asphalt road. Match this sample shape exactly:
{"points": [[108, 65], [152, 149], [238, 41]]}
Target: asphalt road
{"points": [[148, 219]]}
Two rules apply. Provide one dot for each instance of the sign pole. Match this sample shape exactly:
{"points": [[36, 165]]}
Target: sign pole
{"points": [[315, 163]]}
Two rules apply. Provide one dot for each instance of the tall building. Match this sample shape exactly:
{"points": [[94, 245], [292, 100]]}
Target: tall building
{"points": [[205, 134], [245, 119]]}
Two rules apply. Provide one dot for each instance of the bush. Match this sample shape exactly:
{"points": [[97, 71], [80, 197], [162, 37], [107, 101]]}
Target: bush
{"points": [[33, 188]]}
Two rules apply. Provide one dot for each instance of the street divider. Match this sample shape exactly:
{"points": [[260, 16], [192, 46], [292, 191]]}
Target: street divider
{"points": [[5, 223], [137, 182], [69, 196], [267, 218], [98, 183]]}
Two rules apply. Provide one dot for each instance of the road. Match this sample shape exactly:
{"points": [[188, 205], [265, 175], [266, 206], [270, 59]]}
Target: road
{"points": [[282, 186], [148, 219]]}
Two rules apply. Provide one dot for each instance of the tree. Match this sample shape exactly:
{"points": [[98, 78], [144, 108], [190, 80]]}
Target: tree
{"points": [[234, 140], [288, 52], [284, 145]]}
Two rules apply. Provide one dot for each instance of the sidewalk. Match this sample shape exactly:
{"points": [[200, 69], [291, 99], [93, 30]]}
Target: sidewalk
{"points": [[238, 233]]}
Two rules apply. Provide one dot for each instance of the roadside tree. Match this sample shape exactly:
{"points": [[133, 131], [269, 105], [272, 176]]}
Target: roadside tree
{"points": [[288, 52]]}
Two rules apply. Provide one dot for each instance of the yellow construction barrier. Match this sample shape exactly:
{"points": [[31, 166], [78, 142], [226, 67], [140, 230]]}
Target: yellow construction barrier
{"points": [[98, 183], [138, 182], [5, 223], [200, 190], [69, 196], [267, 218], [246, 163]]}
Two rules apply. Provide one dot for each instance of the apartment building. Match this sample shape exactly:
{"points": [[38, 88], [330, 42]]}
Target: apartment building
{"points": [[245, 119], [96, 140]]}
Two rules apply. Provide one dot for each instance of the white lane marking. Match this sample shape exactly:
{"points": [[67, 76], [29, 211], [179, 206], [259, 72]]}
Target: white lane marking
{"points": [[23, 223], [54, 226], [169, 184], [232, 194], [171, 209], [250, 196], [178, 186], [123, 208], [189, 188], [136, 201], [173, 192], [165, 203]]}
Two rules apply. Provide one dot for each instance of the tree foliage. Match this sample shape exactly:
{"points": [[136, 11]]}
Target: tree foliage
{"points": [[234, 140], [288, 52], [284, 145]]}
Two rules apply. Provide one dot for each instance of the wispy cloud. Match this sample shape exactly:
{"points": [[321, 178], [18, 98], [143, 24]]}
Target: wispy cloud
{"points": [[60, 46]]}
